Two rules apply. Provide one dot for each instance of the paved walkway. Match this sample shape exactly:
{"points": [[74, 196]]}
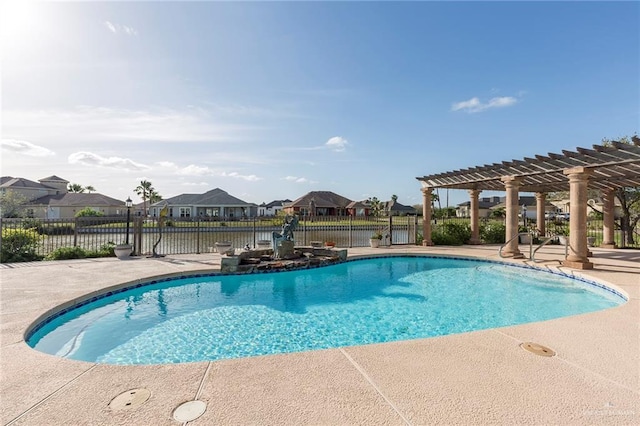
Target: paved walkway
{"points": [[482, 377]]}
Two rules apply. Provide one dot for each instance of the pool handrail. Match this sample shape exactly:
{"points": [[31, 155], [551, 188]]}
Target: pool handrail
{"points": [[546, 241], [518, 235]]}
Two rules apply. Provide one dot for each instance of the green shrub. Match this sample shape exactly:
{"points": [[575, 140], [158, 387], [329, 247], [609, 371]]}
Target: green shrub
{"points": [[63, 253], [19, 245], [461, 232], [440, 238], [31, 223], [106, 250], [493, 233], [89, 212], [55, 230], [451, 234]]}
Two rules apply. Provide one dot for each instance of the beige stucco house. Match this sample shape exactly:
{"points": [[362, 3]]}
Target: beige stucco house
{"points": [[49, 198]]}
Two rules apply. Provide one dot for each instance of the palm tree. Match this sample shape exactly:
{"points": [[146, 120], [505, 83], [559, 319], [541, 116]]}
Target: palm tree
{"points": [[145, 190], [154, 197], [90, 189], [75, 187]]}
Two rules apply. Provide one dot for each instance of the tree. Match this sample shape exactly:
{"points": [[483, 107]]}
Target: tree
{"points": [[74, 187], [12, 203], [145, 190], [376, 206], [154, 197], [90, 189], [394, 198], [629, 198]]}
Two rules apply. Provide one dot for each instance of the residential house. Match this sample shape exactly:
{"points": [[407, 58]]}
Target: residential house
{"points": [[31, 190], [320, 203], [394, 208], [358, 208], [65, 206], [272, 208], [49, 198], [562, 206], [485, 206], [212, 205]]}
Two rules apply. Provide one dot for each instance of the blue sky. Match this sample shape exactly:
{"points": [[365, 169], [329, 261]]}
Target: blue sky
{"points": [[271, 100]]}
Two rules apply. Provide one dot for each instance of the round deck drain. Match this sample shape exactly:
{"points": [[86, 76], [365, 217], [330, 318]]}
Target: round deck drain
{"points": [[130, 399], [189, 411], [537, 349]]}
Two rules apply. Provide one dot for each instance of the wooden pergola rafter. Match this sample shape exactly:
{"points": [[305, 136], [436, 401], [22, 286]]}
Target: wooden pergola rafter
{"points": [[605, 167], [613, 166]]}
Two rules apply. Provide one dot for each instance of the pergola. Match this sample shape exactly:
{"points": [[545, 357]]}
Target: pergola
{"points": [[604, 167]]}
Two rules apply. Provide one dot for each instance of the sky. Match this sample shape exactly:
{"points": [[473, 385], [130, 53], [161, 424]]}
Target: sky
{"points": [[271, 100]]}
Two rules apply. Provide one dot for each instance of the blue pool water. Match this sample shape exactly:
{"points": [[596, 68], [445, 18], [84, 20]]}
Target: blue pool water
{"points": [[352, 303]]}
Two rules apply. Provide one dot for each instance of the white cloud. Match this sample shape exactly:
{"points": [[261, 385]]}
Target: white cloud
{"points": [[110, 26], [86, 124], [26, 148], [298, 179], [474, 104], [195, 184], [117, 28], [91, 159], [337, 143], [236, 175], [193, 170]]}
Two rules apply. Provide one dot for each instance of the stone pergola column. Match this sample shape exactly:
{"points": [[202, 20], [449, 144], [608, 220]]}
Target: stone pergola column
{"points": [[578, 250], [426, 216], [512, 185], [608, 215], [475, 229], [541, 225]]}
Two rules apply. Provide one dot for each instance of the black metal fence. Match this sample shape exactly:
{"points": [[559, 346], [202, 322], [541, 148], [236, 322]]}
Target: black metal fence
{"points": [[200, 236]]}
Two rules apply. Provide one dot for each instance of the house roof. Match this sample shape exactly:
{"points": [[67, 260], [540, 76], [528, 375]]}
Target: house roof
{"points": [[394, 206], [54, 178], [275, 203], [11, 182], [215, 197], [321, 199], [358, 205], [613, 166], [77, 199]]}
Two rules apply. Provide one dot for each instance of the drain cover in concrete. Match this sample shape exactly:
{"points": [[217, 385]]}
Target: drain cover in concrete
{"points": [[130, 399], [189, 411], [537, 349]]}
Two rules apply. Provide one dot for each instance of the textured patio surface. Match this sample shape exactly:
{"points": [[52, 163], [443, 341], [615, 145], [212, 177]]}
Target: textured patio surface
{"points": [[481, 377]]}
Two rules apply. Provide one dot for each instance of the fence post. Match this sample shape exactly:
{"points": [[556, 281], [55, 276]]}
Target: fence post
{"points": [[136, 243], [350, 231], [255, 241], [390, 229], [198, 236], [75, 231]]}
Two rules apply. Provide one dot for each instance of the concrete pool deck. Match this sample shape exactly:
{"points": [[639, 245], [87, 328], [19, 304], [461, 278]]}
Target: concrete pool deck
{"points": [[482, 377]]}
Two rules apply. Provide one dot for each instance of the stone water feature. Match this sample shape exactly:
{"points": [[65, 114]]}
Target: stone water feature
{"points": [[261, 260], [283, 255]]}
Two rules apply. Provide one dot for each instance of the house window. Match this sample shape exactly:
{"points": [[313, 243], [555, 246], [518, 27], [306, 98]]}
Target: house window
{"points": [[29, 213], [185, 211]]}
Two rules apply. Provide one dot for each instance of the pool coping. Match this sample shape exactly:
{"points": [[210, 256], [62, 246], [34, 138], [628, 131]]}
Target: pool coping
{"points": [[476, 377]]}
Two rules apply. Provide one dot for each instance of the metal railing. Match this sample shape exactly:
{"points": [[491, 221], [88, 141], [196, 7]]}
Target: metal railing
{"points": [[199, 235]]}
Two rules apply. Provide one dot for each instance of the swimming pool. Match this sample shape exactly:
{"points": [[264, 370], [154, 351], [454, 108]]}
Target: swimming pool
{"points": [[353, 303]]}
